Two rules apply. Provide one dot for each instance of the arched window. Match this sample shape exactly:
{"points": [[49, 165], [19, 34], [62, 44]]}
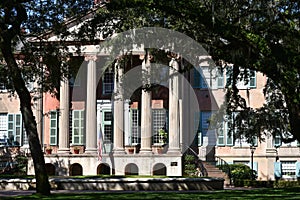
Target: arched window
{"points": [[131, 169], [159, 169], [75, 170], [103, 169]]}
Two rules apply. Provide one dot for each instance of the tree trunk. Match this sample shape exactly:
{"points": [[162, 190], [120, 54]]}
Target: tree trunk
{"points": [[42, 182]]}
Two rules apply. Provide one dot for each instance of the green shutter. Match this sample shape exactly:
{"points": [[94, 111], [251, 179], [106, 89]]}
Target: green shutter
{"points": [[277, 141], [18, 129], [53, 128], [10, 128], [221, 135], [197, 79], [14, 129], [78, 127], [298, 169], [228, 75], [277, 170], [197, 127], [252, 77], [220, 79], [229, 136], [199, 139]]}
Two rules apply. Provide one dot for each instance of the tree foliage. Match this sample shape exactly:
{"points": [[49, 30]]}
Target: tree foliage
{"points": [[25, 60], [258, 35]]}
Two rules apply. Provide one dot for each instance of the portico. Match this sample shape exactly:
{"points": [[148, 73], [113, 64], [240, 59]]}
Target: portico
{"points": [[109, 126]]}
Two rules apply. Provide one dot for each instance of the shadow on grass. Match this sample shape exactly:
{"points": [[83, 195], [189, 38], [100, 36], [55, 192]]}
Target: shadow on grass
{"points": [[287, 193]]}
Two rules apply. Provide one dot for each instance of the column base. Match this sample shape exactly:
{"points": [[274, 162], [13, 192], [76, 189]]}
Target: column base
{"points": [[63, 151], [174, 151], [146, 151], [91, 151], [119, 151]]}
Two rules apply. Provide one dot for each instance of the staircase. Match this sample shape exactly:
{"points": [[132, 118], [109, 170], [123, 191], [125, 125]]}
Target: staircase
{"points": [[213, 171], [209, 167]]}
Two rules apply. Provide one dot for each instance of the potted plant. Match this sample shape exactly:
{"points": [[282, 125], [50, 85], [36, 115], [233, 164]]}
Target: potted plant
{"points": [[48, 150], [163, 135], [76, 150], [131, 150]]}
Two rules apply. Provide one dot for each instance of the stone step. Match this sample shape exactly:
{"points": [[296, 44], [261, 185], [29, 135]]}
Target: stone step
{"points": [[214, 171]]}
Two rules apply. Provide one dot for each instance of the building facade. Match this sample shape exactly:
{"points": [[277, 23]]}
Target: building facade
{"points": [[140, 118]]}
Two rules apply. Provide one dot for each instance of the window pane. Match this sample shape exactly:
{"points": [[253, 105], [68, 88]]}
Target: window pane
{"points": [[76, 114], [10, 126], [10, 117], [107, 116], [52, 132], [76, 140], [159, 122], [205, 117], [52, 140], [53, 123], [18, 119], [76, 123], [108, 133], [135, 137], [76, 131]]}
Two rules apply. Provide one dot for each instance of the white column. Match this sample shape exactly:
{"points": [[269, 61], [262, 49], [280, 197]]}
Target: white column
{"points": [[63, 135], [118, 112], [174, 138], [146, 112], [126, 122], [38, 111], [91, 126]]}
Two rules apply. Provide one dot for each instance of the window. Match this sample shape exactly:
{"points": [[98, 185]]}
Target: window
{"points": [[250, 81], [75, 81], [288, 169], [199, 79], [2, 87], [277, 141], [159, 121], [14, 129], [220, 78], [3, 128], [107, 126], [78, 127], [108, 82], [53, 127], [25, 137], [202, 125], [134, 124], [224, 136], [205, 117]]}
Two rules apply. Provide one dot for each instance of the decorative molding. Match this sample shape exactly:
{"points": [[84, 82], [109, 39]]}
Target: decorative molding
{"points": [[90, 57]]}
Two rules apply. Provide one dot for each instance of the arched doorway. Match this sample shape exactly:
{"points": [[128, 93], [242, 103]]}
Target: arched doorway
{"points": [[160, 169], [75, 170], [131, 169], [50, 169], [103, 169]]}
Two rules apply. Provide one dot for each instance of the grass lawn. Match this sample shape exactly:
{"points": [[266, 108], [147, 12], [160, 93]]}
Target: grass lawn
{"points": [[287, 193]]}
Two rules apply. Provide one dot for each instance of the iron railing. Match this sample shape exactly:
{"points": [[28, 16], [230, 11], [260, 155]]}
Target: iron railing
{"points": [[224, 166]]}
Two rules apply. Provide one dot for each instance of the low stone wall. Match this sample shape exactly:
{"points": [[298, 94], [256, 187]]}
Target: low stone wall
{"points": [[131, 184]]}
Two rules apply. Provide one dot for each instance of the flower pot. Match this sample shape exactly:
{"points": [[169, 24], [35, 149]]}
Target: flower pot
{"points": [[159, 150], [48, 151], [130, 151], [76, 151]]}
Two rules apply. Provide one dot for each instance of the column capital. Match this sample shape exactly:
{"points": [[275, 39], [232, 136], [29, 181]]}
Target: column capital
{"points": [[90, 57]]}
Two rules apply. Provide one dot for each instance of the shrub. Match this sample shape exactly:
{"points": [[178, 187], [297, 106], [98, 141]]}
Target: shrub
{"points": [[242, 172], [286, 184], [189, 165]]}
